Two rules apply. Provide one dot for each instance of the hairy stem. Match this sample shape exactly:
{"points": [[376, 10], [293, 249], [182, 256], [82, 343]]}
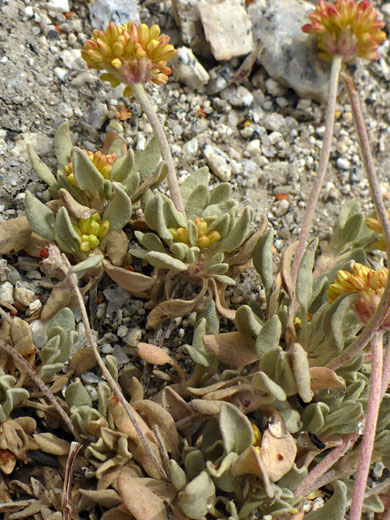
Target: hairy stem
{"points": [[147, 106], [324, 159], [374, 400], [25, 367], [372, 326], [114, 386], [309, 484]]}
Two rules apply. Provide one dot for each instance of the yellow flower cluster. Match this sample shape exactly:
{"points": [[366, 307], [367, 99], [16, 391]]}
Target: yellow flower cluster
{"points": [[103, 164], [367, 283], [91, 231], [206, 238], [351, 29], [374, 224], [130, 54]]}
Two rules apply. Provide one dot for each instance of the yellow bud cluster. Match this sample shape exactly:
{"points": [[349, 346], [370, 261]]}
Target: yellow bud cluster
{"points": [[91, 231], [374, 224], [205, 238], [102, 162], [130, 54]]}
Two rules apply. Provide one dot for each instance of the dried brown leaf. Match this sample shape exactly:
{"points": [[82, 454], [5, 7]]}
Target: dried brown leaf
{"points": [[7, 461], [82, 360], [278, 454], [137, 391], [156, 356], [140, 501], [287, 258], [116, 513], [74, 208], [246, 251], [232, 348], [206, 407], [323, 378], [58, 299], [157, 415], [173, 403], [103, 497], [220, 302], [14, 235], [52, 444], [249, 461], [128, 280], [117, 245], [35, 245]]}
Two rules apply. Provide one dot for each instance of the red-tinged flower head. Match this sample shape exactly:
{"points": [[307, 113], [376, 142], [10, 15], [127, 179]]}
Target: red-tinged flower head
{"points": [[368, 284], [130, 54], [351, 29]]}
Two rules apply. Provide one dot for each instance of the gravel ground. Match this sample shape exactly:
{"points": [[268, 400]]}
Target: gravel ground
{"points": [[272, 142]]}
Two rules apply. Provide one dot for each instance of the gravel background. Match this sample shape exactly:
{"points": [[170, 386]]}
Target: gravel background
{"points": [[43, 81]]}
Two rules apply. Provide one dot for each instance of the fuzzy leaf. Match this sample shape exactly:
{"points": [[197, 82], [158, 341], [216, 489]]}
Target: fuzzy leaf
{"points": [[220, 224], [64, 233], [300, 365], [220, 193], [238, 233], [76, 394], [52, 444], [194, 499], [247, 322], [87, 176], [196, 202], [39, 216], [180, 250], [196, 178], [165, 261], [269, 336], [146, 161], [334, 318], [333, 508], [40, 168], [236, 430], [305, 277], [151, 242], [119, 209], [263, 259], [265, 384], [89, 264], [63, 144], [63, 319], [155, 218], [74, 208]]}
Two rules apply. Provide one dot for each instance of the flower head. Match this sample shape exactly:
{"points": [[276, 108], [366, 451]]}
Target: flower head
{"points": [[130, 54], [91, 231], [348, 28], [206, 238], [368, 284], [103, 164], [374, 224]]}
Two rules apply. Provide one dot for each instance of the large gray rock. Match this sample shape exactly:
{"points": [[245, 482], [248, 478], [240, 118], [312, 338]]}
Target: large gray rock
{"points": [[289, 55], [227, 27], [102, 12]]}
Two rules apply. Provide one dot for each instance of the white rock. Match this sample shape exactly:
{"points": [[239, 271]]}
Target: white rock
{"points": [[227, 27], [218, 161], [187, 69], [237, 96], [343, 164], [273, 122], [289, 55], [133, 337], [34, 307], [187, 16], [190, 148], [40, 142], [281, 207], [58, 5], [60, 73], [102, 12], [72, 59], [28, 11], [253, 147], [23, 296], [7, 292]]}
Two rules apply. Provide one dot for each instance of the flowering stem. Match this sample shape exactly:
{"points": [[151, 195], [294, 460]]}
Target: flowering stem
{"points": [[142, 98], [383, 307], [310, 482], [324, 159], [114, 386], [374, 400], [385, 372]]}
